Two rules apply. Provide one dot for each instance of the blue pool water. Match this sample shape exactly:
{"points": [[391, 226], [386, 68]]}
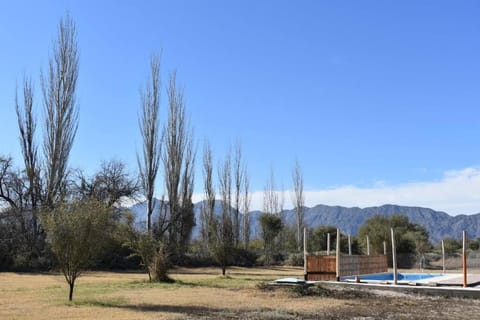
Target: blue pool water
{"points": [[388, 276]]}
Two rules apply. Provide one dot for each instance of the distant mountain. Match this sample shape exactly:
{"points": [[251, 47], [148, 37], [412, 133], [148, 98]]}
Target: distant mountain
{"points": [[439, 224]]}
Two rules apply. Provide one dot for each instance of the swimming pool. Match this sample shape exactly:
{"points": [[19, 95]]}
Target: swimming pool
{"points": [[388, 277]]}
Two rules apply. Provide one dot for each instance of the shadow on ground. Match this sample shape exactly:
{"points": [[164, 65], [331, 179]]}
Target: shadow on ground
{"points": [[199, 312]]}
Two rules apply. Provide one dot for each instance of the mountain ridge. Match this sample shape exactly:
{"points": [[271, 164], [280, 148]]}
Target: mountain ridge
{"points": [[439, 224]]}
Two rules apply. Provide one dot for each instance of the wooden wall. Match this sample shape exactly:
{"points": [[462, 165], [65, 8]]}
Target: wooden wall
{"points": [[324, 267]]}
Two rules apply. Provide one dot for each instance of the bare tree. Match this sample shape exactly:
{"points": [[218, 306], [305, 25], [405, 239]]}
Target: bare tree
{"points": [[61, 110], [270, 220], [246, 209], [8, 192], [299, 202], [13, 194], [224, 236], [27, 126], [187, 215], [238, 174], [178, 157], [13, 189], [282, 215], [149, 125], [108, 185], [208, 209], [18, 238], [281, 203], [225, 183], [271, 204]]}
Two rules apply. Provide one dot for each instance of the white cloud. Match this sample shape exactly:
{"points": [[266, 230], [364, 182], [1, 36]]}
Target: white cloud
{"points": [[457, 192]]}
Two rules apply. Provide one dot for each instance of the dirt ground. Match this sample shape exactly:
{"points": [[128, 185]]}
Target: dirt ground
{"points": [[204, 294]]}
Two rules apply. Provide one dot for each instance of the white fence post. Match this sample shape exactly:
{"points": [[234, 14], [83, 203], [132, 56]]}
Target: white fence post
{"points": [[394, 258]]}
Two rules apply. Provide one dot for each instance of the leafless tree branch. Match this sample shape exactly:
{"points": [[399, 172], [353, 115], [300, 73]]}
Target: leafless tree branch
{"points": [[149, 125], [61, 110]]}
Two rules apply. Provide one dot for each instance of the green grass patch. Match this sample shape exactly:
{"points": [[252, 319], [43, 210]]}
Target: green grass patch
{"points": [[109, 303], [86, 292], [223, 283]]}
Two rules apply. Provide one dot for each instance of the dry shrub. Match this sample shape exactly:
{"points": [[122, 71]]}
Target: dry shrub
{"points": [[160, 266]]}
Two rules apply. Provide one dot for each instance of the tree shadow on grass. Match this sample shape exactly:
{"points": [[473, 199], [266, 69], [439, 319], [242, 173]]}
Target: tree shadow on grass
{"points": [[199, 312], [188, 310]]}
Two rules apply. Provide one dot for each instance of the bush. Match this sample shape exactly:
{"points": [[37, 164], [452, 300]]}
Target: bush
{"points": [[160, 265], [405, 260], [195, 260], [294, 259], [276, 259], [244, 258], [117, 256], [263, 286]]}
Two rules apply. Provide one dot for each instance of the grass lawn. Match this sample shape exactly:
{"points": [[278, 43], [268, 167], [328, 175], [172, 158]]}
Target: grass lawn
{"points": [[203, 294]]}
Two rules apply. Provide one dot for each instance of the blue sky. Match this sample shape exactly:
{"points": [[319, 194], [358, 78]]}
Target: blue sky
{"points": [[379, 100]]}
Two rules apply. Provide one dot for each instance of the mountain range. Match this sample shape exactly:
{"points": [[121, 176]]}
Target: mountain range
{"points": [[439, 225]]}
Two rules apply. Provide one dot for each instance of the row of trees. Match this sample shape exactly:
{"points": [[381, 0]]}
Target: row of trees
{"points": [[52, 214]]}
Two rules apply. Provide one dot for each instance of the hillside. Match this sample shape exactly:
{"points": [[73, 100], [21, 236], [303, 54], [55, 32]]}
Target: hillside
{"points": [[438, 224]]}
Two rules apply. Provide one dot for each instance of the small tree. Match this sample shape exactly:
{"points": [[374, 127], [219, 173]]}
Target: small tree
{"points": [[411, 239], [222, 249], [152, 254], [474, 245], [271, 220], [151, 251], [317, 241], [271, 226], [76, 232], [452, 245], [143, 245]]}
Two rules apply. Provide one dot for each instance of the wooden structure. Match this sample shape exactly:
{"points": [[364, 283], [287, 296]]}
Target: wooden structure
{"points": [[325, 267]]}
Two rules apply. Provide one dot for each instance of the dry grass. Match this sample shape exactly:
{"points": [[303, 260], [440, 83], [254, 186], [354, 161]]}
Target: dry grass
{"points": [[202, 293]]}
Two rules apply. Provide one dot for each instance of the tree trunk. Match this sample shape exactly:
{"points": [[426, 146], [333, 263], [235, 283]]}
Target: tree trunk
{"points": [[149, 212], [70, 295], [299, 237], [149, 274], [224, 270]]}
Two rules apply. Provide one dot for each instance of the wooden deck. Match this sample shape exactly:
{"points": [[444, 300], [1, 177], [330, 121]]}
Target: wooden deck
{"points": [[456, 280]]}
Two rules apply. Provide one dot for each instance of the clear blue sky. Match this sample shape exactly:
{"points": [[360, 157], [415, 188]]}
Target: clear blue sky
{"points": [[366, 94]]}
